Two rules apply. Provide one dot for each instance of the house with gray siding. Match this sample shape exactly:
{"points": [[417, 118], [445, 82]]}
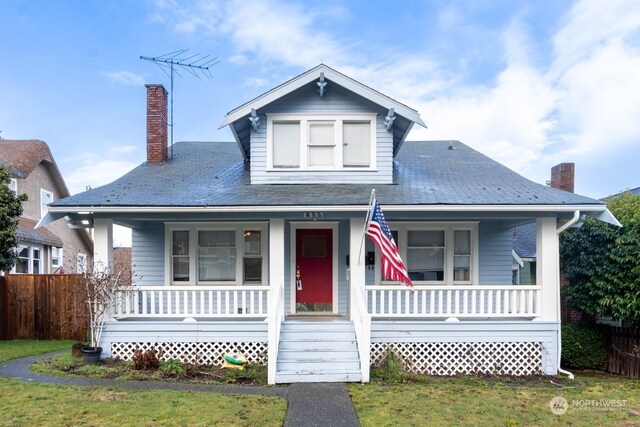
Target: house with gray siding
{"points": [[256, 245]]}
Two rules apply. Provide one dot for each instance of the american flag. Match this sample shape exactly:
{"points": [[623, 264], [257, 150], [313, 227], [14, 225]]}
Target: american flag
{"points": [[392, 266]]}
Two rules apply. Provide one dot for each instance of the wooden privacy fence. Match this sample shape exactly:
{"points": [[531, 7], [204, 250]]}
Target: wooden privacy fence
{"points": [[42, 306], [624, 350]]}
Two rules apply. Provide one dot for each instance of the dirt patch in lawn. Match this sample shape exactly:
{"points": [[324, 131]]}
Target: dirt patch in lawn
{"points": [[171, 370]]}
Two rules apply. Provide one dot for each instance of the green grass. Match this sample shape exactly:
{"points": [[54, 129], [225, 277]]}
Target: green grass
{"points": [[31, 404], [470, 401], [15, 349]]}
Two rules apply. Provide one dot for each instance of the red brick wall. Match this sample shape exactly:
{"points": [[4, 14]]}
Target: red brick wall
{"points": [[563, 176], [157, 136]]}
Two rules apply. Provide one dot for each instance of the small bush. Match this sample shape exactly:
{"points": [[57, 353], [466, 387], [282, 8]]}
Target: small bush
{"points": [[391, 368], [172, 367], [146, 360], [583, 347]]}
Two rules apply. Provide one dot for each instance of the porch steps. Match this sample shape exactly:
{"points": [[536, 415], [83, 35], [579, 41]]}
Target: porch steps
{"points": [[318, 351]]}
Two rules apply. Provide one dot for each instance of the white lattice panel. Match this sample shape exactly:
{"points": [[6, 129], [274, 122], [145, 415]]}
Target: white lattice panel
{"points": [[452, 358], [203, 353]]}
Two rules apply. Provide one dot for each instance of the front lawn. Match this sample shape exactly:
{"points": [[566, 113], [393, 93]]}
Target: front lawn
{"points": [[593, 400], [29, 404], [15, 349]]}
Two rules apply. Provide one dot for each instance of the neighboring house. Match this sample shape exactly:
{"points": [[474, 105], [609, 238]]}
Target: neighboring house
{"points": [[633, 191], [54, 248], [524, 254], [256, 245]]}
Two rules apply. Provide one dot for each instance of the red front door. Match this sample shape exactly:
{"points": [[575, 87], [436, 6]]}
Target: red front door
{"points": [[314, 266]]}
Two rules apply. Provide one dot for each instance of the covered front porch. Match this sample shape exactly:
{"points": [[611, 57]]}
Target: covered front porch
{"points": [[499, 322]]}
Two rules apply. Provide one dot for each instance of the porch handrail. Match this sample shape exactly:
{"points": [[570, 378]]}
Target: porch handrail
{"points": [[274, 319], [192, 301], [460, 301], [362, 324]]}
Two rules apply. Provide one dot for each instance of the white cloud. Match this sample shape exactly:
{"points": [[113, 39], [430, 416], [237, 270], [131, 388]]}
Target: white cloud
{"points": [[238, 59], [96, 173], [124, 77], [255, 82], [590, 24], [281, 31], [122, 149]]}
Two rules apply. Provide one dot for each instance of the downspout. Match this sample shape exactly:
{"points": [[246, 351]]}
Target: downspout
{"points": [[576, 217]]}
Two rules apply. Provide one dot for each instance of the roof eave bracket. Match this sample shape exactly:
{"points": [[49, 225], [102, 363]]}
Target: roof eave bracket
{"points": [[389, 119], [322, 85], [254, 119]]}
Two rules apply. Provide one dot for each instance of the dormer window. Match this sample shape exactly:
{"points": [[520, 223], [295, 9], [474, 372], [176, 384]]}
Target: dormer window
{"points": [[321, 142]]}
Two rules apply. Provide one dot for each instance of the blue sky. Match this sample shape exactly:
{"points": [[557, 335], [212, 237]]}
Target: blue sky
{"points": [[528, 83]]}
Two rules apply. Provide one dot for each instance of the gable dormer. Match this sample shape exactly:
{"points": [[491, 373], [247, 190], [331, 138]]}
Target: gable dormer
{"points": [[321, 127]]}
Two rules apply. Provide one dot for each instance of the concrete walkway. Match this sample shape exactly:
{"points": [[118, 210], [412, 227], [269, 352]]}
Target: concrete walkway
{"points": [[310, 404]]}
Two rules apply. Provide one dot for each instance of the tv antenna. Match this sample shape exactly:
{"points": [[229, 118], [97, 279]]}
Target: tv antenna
{"points": [[195, 64]]}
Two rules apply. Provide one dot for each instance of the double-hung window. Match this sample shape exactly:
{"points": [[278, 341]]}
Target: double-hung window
{"points": [[437, 253], [56, 257], [321, 142], [216, 254], [29, 260], [180, 255], [13, 185]]}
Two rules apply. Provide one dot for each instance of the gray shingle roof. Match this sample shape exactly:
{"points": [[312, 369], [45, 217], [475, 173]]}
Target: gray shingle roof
{"points": [[426, 173], [524, 240]]}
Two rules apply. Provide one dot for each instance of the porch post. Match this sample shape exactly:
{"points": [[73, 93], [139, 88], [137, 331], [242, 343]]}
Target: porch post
{"points": [[358, 304], [276, 294], [548, 267], [356, 257], [102, 242]]}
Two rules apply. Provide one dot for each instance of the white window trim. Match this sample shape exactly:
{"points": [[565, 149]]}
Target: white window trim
{"points": [[449, 228], [193, 228], [59, 257], [13, 185], [30, 265], [43, 207], [338, 119]]}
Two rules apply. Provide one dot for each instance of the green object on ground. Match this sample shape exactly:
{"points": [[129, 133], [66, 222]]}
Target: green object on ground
{"points": [[236, 359]]}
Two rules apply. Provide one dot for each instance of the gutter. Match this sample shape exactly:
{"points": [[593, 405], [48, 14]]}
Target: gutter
{"points": [[331, 208], [572, 221]]}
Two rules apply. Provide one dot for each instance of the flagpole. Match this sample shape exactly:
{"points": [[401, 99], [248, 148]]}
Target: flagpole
{"points": [[366, 221]]}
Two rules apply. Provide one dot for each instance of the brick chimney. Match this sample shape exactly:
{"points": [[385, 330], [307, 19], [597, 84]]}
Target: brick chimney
{"points": [[157, 135], [562, 176]]}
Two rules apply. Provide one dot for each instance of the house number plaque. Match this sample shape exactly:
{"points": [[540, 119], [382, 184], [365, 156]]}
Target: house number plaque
{"points": [[313, 215]]}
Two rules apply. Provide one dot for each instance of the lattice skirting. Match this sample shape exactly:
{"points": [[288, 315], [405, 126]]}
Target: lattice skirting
{"points": [[204, 353], [452, 358]]}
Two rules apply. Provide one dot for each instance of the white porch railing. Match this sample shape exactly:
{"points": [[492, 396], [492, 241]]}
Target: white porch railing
{"points": [[454, 301], [362, 324], [192, 301], [275, 318]]}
